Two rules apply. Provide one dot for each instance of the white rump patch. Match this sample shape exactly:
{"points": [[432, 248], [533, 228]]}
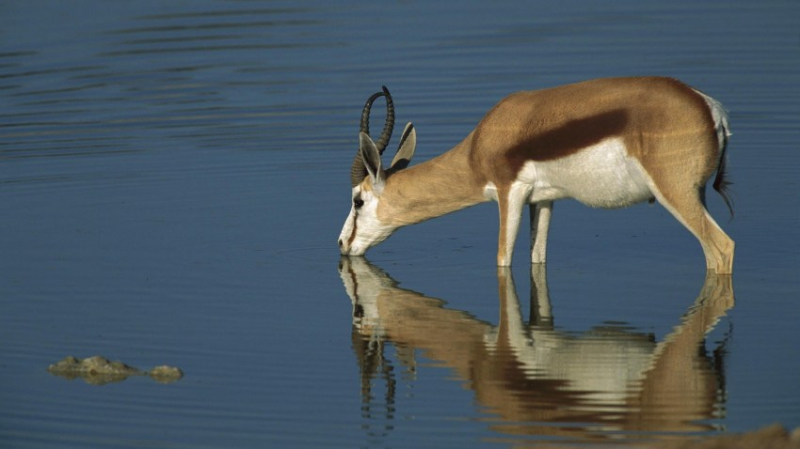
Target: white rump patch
{"points": [[720, 117]]}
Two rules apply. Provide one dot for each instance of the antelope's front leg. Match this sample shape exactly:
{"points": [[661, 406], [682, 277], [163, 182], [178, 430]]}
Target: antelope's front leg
{"points": [[540, 225], [511, 202]]}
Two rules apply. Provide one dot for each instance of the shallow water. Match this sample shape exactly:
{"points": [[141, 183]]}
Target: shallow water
{"points": [[173, 177]]}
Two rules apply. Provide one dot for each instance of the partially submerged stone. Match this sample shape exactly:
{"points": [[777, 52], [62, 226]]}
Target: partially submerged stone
{"points": [[773, 437], [166, 374], [97, 370]]}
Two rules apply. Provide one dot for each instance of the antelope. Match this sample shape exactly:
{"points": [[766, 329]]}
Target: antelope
{"points": [[607, 143]]}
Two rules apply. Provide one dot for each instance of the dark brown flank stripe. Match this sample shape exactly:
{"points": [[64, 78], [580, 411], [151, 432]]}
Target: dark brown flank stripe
{"points": [[567, 139]]}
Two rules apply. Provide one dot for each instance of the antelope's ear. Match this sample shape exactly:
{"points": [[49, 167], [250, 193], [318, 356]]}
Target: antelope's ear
{"points": [[372, 160], [408, 144]]}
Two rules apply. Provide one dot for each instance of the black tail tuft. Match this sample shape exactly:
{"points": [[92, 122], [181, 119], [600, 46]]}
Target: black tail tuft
{"points": [[721, 183]]}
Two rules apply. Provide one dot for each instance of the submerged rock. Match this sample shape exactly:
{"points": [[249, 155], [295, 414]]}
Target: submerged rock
{"points": [[165, 374], [97, 370], [772, 437]]}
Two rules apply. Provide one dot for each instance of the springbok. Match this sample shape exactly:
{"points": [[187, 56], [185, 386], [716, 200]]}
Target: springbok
{"points": [[607, 143]]}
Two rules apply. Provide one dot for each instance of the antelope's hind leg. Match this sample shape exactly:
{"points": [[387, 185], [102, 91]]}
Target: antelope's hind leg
{"points": [[687, 206]]}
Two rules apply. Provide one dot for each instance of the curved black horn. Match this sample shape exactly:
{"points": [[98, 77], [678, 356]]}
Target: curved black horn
{"points": [[365, 112], [389, 125], [359, 171]]}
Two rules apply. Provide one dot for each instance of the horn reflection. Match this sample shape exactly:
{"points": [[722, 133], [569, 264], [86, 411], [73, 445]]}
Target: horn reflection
{"points": [[606, 384]]}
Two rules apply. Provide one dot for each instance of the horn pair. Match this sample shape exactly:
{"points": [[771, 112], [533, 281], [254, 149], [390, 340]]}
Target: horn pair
{"points": [[359, 170]]}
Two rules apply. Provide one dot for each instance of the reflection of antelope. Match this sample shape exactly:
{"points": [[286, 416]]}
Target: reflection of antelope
{"points": [[606, 143], [608, 379]]}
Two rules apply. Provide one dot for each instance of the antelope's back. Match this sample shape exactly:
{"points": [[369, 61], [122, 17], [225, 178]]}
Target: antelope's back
{"points": [[648, 113]]}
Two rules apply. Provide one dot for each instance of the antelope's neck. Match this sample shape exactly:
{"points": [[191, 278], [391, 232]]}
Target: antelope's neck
{"points": [[442, 185]]}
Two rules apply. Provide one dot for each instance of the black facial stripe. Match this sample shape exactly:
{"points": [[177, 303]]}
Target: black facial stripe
{"points": [[353, 233]]}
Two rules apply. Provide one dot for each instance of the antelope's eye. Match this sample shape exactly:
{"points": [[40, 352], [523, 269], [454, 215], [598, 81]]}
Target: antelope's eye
{"points": [[358, 202]]}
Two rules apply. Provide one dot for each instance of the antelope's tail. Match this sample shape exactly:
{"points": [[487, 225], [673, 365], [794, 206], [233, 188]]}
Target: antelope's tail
{"points": [[720, 116]]}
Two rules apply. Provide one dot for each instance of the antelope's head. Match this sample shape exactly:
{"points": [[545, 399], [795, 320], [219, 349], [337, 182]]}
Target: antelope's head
{"points": [[364, 226]]}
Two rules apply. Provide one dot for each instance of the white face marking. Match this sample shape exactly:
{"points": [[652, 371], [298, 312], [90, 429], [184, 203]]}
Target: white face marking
{"points": [[362, 229], [364, 285], [602, 175]]}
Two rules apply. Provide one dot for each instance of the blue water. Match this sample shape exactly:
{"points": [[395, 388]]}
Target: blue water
{"points": [[174, 175]]}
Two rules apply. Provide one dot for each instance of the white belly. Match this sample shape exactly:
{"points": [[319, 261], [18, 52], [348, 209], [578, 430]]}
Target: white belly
{"points": [[602, 175]]}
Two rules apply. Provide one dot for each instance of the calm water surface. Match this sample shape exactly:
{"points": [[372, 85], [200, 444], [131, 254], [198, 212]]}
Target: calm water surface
{"points": [[173, 176]]}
